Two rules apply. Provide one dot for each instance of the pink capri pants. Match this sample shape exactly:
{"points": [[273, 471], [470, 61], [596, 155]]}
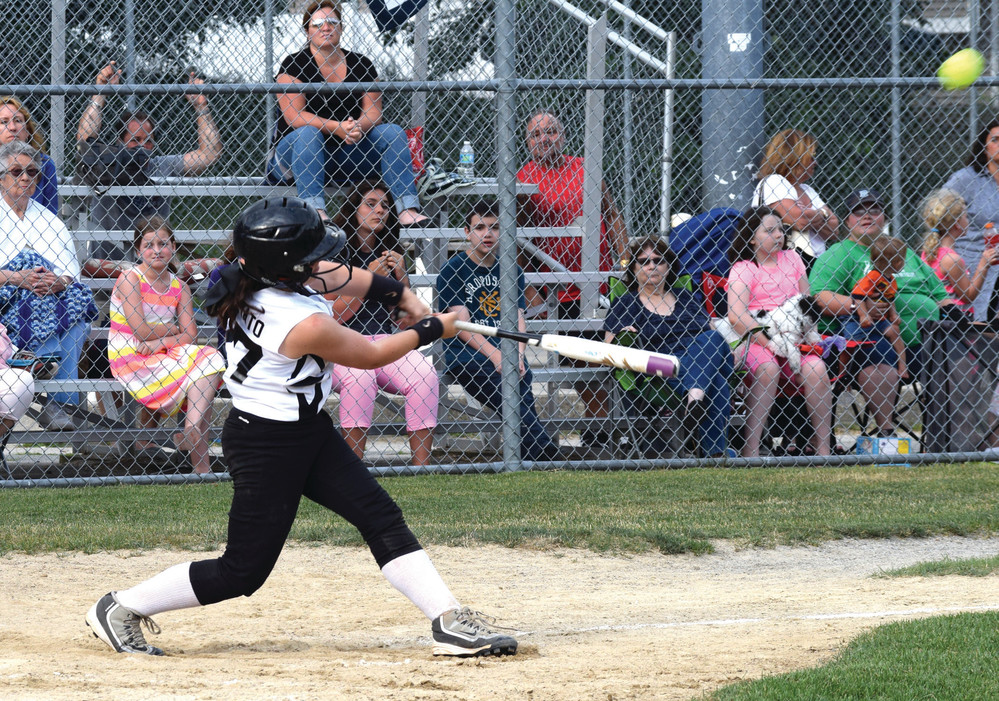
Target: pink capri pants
{"points": [[756, 355], [413, 376]]}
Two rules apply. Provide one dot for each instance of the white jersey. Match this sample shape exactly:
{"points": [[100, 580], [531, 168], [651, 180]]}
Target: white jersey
{"points": [[262, 381]]}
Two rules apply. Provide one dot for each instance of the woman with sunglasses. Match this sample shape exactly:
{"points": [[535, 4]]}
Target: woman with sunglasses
{"points": [[38, 278], [338, 136], [16, 124], [670, 319]]}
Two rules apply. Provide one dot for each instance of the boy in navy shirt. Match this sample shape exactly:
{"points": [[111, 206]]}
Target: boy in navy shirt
{"points": [[469, 284]]}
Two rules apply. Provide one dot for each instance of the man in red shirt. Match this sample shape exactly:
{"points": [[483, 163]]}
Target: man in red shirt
{"points": [[559, 202]]}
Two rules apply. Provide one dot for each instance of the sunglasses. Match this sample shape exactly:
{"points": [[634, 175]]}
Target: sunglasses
{"points": [[655, 260], [873, 210], [331, 21], [18, 172]]}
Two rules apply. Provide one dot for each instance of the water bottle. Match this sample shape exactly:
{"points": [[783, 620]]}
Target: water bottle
{"points": [[466, 161], [991, 238]]}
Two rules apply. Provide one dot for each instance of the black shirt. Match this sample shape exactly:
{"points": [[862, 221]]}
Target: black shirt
{"points": [[336, 106]]}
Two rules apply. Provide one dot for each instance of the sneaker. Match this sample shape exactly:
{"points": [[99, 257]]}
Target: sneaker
{"points": [[54, 417], [437, 182], [120, 627], [467, 633]]}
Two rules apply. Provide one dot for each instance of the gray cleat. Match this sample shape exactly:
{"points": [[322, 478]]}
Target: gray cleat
{"points": [[467, 633], [120, 627]]}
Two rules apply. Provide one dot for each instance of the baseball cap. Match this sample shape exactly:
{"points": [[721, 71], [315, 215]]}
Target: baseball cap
{"points": [[863, 197]]}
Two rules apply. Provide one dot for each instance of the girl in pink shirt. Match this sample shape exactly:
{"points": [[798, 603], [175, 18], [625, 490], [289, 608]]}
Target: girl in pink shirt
{"points": [[764, 276], [945, 216]]}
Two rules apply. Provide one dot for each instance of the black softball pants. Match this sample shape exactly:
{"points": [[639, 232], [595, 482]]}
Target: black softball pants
{"points": [[274, 464]]}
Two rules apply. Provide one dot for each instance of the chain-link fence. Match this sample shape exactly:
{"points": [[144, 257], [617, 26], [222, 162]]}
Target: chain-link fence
{"points": [[777, 148]]}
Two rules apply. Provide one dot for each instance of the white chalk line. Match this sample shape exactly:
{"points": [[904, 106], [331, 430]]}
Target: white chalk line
{"points": [[931, 610]]}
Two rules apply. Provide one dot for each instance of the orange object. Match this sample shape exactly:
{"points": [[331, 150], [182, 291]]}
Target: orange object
{"points": [[877, 286]]}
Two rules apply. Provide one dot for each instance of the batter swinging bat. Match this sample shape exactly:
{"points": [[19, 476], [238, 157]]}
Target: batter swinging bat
{"points": [[645, 362]]}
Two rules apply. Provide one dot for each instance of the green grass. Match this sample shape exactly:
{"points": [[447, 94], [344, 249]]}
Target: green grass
{"points": [[945, 658], [972, 567], [953, 657], [666, 511]]}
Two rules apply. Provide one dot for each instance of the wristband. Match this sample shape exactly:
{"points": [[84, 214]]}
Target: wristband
{"points": [[386, 290], [428, 329]]}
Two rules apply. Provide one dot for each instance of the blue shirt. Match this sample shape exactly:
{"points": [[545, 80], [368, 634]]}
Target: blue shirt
{"points": [[47, 191], [463, 282], [662, 334]]}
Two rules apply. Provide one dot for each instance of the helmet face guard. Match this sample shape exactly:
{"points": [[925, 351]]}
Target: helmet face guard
{"points": [[277, 241]]}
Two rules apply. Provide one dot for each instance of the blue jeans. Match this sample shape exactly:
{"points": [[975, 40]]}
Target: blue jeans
{"points": [[483, 383], [867, 355], [705, 364], [315, 159], [68, 347]]}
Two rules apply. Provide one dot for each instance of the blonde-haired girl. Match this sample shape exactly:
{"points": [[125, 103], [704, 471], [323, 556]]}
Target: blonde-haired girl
{"points": [[945, 217]]}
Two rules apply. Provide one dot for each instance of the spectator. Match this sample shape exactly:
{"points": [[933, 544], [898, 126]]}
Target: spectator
{"points": [[978, 184], [919, 293], [788, 163], [945, 217], [369, 220], [671, 320], [136, 140], [17, 387], [338, 136], [48, 312], [887, 261], [559, 203], [152, 345], [469, 284], [763, 277], [16, 124]]}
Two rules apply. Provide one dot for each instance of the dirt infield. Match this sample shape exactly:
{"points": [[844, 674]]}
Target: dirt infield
{"points": [[327, 626]]}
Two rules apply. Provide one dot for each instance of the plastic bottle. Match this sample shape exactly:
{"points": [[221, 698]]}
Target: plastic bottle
{"points": [[466, 161], [991, 238]]}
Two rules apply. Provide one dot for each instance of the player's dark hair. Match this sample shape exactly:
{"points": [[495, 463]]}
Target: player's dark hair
{"points": [[239, 288], [346, 219], [660, 247], [745, 229], [979, 158], [133, 116], [482, 209]]}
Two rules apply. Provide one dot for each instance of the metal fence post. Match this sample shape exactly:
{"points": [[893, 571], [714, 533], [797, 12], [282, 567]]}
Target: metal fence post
{"points": [[506, 116], [732, 120]]}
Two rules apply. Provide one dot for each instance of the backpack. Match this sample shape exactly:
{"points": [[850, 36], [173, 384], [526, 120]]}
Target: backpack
{"points": [[701, 243], [103, 165]]}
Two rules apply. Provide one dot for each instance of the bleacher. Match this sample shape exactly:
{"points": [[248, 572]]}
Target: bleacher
{"points": [[463, 427]]}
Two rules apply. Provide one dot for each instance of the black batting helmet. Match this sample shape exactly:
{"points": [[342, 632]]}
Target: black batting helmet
{"points": [[278, 239]]}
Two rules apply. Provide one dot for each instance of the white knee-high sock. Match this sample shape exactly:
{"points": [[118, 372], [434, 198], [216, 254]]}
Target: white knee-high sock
{"points": [[168, 591], [415, 576]]}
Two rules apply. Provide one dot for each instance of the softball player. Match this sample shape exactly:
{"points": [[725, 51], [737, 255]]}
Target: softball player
{"points": [[281, 445]]}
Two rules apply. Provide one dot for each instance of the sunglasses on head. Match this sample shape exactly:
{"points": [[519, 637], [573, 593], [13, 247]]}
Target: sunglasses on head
{"points": [[18, 172]]}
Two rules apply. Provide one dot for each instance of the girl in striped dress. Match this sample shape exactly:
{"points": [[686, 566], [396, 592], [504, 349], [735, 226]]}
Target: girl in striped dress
{"points": [[151, 344]]}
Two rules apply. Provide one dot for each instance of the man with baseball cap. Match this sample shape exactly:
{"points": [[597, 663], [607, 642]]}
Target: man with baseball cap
{"points": [[920, 292]]}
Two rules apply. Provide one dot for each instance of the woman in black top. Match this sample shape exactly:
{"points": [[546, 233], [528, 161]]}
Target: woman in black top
{"points": [[338, 137]]}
